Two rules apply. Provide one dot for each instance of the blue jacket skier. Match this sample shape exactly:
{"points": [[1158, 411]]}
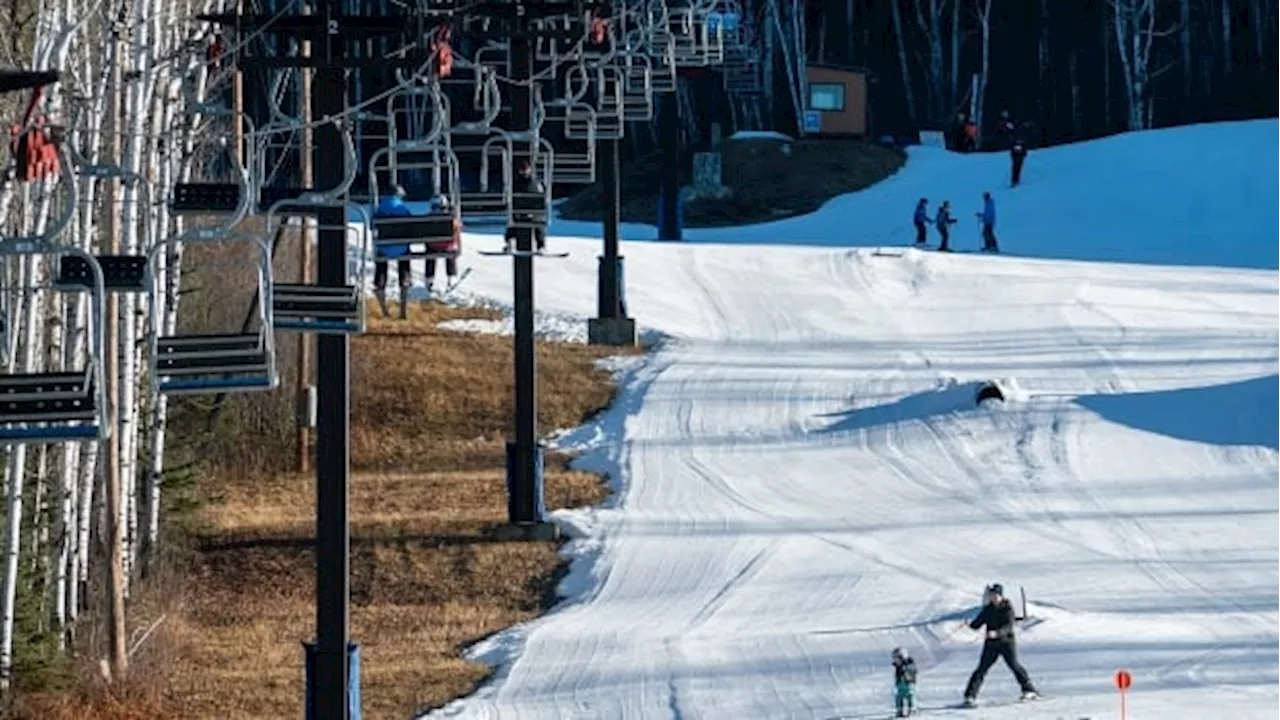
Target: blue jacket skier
{"points": [[999, 618], [988, 218], [904, 682], [392, 206], [921, 220]]}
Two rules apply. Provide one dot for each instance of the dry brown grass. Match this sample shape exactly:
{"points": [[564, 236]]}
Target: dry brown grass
{"points": [[430, 412]]}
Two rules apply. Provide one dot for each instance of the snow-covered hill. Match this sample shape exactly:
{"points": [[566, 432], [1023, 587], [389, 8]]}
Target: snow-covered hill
{"points": [[804, 481]]}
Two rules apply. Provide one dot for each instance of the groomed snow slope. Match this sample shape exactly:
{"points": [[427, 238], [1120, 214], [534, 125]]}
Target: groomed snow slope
{"points": [[803, 481], [1199, 194]]}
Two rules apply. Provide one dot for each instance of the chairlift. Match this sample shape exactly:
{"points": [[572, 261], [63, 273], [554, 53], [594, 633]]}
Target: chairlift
{"points": [[697, 42], [198, 364], [637, 88], [433, 236], [485, 98], [495, 58], [323, 309], [483, 202], [611, 83], [54, 407], [120, 273], [531, 210], [649, 46], [414, 103], [231, 198], [550, 44], [577, 123]]}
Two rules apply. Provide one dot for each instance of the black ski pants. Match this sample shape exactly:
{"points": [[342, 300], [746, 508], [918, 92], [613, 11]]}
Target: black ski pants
{"points": [[991, 651], [989, 237], [450, 267], [922, 234], [1016, 175], [380, 274]]}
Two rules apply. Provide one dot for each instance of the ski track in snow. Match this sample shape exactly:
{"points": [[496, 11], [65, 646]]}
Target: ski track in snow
{"points": [[803, 482]]}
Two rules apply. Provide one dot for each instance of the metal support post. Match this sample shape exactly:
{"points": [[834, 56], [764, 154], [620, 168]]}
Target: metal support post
{"points": [[524, 463], [670, 223], [612, 326], [332, 682]]}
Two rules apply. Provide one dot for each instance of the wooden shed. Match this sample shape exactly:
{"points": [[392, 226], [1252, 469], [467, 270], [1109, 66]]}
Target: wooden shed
{"points": [[837, 102]]}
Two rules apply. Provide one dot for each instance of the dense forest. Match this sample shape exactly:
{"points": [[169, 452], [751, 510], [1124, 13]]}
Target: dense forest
{"points": [[1074, 68]]}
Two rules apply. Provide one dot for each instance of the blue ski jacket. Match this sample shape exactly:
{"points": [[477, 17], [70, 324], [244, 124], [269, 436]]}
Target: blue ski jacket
{"points": [[392, 206], [989, 212]]}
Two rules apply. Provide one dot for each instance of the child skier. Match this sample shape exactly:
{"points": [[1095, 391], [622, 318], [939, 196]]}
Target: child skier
{"points": [[904, 682]]}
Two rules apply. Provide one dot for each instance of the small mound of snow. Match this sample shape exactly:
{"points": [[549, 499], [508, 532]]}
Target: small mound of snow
{"points": [[546, 326], [476, 325]]}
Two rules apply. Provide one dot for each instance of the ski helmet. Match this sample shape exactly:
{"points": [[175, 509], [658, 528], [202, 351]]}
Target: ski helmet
{"points": [[900, 653]]}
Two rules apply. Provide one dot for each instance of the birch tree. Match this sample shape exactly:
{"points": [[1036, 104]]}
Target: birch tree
{"points": [[982, 9], [1134, 22], [929, 15], [896, 10]]}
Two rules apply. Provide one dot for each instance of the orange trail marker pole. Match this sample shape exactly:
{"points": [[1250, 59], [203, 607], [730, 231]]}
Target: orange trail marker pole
{"points": [[1123, 681]]}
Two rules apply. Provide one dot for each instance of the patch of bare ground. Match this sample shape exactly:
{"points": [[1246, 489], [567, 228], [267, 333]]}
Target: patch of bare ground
{"points": [[430, 413]]}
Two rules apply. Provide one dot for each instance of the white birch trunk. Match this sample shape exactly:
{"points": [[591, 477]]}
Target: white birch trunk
{"points": [[896, 12], [953, 97], [980, 93], [1184, 42], [32, 268]]}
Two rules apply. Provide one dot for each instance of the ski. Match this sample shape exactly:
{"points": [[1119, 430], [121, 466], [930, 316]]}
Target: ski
{"points": [[521, 253], [998, 703]]}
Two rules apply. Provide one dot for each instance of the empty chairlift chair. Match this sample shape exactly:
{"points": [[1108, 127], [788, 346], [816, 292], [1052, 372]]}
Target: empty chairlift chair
{"points": [[324, 309], [226, 188], [197, 364], [120, 273], [65, 406]]}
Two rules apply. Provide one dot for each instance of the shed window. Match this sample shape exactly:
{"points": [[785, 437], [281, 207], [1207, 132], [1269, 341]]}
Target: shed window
{"points": [[826, 96]]}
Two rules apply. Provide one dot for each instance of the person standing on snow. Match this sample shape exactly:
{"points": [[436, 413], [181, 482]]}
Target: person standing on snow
{"points": [[1006, 129], [904, 683], [988, 218], [1018, 155], [998, 617], [921, 220], [942, 221]]}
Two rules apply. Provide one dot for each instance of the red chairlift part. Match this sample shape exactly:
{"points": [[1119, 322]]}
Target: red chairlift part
{"points": [[599, 31], [32, 147], [217, 49], [443, 50]]}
